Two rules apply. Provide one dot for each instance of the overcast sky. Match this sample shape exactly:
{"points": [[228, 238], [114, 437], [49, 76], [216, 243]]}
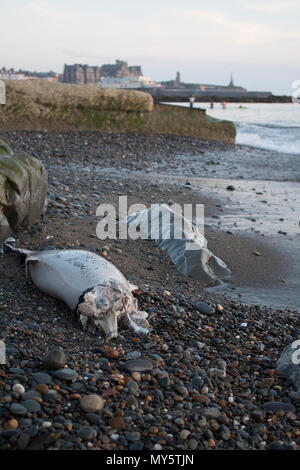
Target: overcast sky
{"points": [[258, 41]]}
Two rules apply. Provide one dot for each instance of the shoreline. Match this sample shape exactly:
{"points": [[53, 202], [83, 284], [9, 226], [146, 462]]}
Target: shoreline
{"points": [[214, 373]]}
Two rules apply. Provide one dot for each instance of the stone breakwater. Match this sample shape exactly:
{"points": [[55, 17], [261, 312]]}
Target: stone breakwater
{"points": [[23, 190], [40, 105]]}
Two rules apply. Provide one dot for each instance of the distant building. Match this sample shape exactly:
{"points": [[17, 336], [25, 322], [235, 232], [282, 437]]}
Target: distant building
{"points": [[126, 82], [177, 79], [11, 74], [81, 74], [85, 74]]}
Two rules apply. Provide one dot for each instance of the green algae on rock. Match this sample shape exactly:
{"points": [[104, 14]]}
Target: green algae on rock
{"points": [[23, 191]]}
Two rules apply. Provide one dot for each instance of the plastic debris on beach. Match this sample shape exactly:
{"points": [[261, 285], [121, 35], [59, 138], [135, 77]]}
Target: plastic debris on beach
{"points": [[288, 365], [181, 239]]}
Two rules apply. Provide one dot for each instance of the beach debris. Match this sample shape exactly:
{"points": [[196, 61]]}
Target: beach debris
{"points": [[257, 253], [89, 284], [181, 239], [288, 365], [230, 188]]}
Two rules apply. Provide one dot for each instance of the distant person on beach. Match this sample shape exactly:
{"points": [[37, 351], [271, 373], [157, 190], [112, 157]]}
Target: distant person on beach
{"points": [[211, 105], [192, 101], [224, 104]]}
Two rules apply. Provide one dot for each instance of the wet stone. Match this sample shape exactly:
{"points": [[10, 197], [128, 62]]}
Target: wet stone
{"points": [[117, 423], [23, 441], [139, 445], [66, 374], [164, 382], [42, 378], [212, 412], [32, 406], [132, 436], [55, 359], [279, 406], [18, 410], [87, 433], [133, 388], [133, 355], [92, 403], [31, 395], [205, 308], [138, 365]]}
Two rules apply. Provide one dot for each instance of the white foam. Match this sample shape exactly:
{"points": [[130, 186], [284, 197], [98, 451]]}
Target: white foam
{"points": [[255, 140]]}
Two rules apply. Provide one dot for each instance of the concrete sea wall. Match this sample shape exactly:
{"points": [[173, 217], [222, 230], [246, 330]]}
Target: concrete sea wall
{"points": [[39, 105]]}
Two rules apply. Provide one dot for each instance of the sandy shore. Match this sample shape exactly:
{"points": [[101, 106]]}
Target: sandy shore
{"points": [[186, 401]]}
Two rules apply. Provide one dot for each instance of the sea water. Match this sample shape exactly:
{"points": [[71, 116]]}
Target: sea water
{"points": [[271, 126]]}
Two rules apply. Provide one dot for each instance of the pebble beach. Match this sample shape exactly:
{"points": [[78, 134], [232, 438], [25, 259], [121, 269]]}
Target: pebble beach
{"points": [[205, 375]]}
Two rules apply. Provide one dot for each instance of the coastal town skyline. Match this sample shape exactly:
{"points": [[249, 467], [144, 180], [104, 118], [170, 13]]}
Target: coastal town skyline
{"points": [[259, 43]]}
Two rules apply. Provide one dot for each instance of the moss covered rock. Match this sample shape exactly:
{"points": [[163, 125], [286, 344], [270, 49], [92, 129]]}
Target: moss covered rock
{"points": [[5, 148], [23, 192]]}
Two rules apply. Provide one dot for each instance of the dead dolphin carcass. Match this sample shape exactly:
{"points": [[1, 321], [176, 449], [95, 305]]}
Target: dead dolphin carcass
{"points": [[89, 284], [181, 240]]}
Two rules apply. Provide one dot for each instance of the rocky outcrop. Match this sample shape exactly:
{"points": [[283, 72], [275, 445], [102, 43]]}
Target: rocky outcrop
{"points": [[23, 190]]}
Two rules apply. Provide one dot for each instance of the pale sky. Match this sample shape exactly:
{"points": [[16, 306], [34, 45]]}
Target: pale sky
{"points": [[258, 41]]}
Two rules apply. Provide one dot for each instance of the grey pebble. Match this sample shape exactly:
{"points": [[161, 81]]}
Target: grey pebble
{"points": [[132, 436], [18, 410], [279, 406], [87, 433], [138, 365], [42, 378], [204, 308], [55, 359], [32, 406], [66, 374]]}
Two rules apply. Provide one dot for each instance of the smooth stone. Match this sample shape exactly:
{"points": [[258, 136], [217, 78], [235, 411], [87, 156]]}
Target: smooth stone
{"points": [[42, 378], [133, 355], [92, 403], [18, 410], [93, 418], [55, 359], [205, 308], [164, 381], [117, 423], [32, 406], [15, 370], [66, 374], [31, 395], [87, 433], [23, 441], [139, 445], [133, 388], [193, 444], [212, 412], [258, 429], [138, 365], [279, 406], [132, 436]]}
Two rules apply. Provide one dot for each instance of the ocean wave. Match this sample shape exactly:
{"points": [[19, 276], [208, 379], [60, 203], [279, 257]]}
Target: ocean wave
{"points": [[264, 142], [268, 126]]}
